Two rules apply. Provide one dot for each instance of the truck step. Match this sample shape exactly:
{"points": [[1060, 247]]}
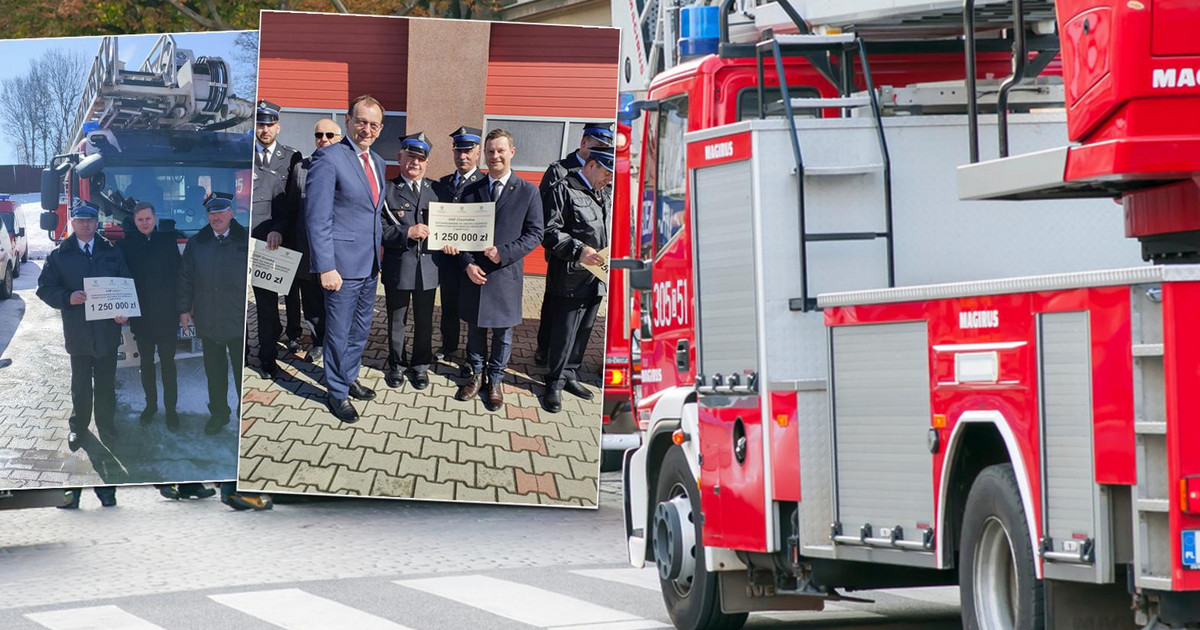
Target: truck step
{"points": [[819, 42], [847, 169], [845, 236], [1153, 505], [1147, 349], [1149, 428]]}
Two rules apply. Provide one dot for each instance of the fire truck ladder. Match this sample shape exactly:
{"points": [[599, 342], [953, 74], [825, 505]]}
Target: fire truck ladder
{"points": [[168, 90], [822, 50]]}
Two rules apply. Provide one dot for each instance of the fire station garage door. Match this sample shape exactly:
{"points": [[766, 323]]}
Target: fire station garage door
{"points": [[881, 421]]}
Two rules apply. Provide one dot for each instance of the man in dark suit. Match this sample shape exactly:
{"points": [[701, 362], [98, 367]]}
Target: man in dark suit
{"points": [[153, 259], [273, 210], [576, 229], [92, 345], [490, 299], [467, 142], [410, 275], [344, 195], [325, 132], [594, 135]]}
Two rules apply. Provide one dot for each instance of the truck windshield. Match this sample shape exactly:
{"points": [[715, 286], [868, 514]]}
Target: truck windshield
{"points": [[177, 192]]}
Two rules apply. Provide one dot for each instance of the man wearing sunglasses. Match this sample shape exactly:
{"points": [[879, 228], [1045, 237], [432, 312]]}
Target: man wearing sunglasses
{"points": [[325, 132], [272, 213]]}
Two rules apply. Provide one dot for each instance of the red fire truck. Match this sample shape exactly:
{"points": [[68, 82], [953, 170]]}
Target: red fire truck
{"points": [[864, 366]]}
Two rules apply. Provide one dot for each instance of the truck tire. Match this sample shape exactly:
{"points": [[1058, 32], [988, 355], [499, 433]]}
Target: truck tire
{"points": [[998, 580], [6, 284], [611, 461], [691, 592], [17, 269]]}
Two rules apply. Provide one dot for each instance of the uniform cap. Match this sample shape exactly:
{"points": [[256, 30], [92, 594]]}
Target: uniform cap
{"points": [[416, 143], [218, 201], [467, 137], [85, 210], [603, 156], [267, 112], [600, 131]]}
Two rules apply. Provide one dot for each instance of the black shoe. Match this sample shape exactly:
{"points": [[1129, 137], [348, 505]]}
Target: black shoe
{"points": [[272, 370], [552, 401], [215, 424], [293, 346], [420, 380], [172, 421], [169, 492], [74, 441], [341, 409], [577, 389], [148, 413], [195, 491], [315, 355], [358, 391], [109, 502], [393, 377]]}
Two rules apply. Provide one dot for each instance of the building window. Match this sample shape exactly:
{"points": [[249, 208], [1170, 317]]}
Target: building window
{"points": [[540, 141]]}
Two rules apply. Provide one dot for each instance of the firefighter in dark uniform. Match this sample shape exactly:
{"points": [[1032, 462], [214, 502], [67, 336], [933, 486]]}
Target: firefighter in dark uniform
{"points": [[273, 211], [576, 229], [409, 272], [92, 345], [594, 135], [467, 142]]}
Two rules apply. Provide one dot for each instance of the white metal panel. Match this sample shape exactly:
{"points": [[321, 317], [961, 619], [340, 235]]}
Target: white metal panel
{"points": [[881, 422], [725, 295]]}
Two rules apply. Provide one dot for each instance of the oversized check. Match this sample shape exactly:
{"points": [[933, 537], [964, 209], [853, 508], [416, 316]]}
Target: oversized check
{"points": [[600, 271], [109, 298], [273, 270], [470, 227]]}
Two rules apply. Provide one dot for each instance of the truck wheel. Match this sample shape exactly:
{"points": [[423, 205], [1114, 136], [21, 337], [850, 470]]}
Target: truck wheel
{"points": [[6, 284], [999, 585], [611, 460], [690, 592]]}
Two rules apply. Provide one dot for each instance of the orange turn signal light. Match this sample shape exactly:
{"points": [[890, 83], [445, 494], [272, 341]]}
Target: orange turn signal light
{"points": [[679, 437], [939, 421], [1189, 494], [781, 419]]}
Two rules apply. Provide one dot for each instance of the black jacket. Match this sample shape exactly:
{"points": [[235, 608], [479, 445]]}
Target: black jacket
{"points": [[576, 216], [406, 259], [276, 199], [154, 264], [299, 235], [452, 193], [63, 274], [213, 283]]}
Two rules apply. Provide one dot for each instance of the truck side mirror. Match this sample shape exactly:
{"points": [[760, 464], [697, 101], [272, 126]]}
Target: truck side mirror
{"points": [[641, 277], [90, 165], [51, 182], [50, 221]]}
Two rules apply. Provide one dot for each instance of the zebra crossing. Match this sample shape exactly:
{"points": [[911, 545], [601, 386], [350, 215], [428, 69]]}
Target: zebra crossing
{"points": [[551, 599]]}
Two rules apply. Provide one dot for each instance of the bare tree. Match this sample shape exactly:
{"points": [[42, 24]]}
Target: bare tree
{"points": [[245, 61], [19, 114], [61, 75]]}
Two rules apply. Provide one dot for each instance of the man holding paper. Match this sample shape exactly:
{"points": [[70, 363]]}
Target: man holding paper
{"points": [[91, 343], [576, 233], [410, 274]]}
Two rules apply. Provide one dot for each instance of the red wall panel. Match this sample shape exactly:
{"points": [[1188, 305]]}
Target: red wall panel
{"points": [[324, 60], [553, 71]]}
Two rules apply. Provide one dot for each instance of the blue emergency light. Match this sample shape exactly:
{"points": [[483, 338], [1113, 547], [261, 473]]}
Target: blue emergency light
{"points": [[90, 126], [699, 30]]}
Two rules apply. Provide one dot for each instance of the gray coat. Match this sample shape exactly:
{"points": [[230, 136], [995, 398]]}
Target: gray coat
{"points": [[212, 283], [63, 274]]}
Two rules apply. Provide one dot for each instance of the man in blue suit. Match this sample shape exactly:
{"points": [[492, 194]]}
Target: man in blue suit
{"points": [[344, 193], [490, 297]]}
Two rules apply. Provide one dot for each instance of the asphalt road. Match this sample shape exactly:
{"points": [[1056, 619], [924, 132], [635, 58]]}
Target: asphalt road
{"points": [[152, 564]]}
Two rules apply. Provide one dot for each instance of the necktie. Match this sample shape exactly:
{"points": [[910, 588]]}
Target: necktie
{"points": [[371, 181], [415, 189], [457, 180], [221, 238], [87, 249], [496, 187]]}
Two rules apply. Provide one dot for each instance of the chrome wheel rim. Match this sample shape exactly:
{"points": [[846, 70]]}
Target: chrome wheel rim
{"points": [[995, 572], [675, 541]]}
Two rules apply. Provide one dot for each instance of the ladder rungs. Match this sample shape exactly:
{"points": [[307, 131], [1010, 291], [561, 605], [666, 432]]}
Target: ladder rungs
{"points": [[824, 103], [844, 236], [1153, 505], [1150, 428], [848, 169], [1147, 349]]}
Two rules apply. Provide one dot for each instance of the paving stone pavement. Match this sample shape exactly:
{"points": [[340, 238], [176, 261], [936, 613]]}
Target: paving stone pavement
{"points": [[35, 403], [425, 444]]}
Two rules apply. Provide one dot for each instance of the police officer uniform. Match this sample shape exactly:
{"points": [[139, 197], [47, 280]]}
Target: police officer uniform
{"points": [[449, 273], [92, 345], [577, 217], [409, 272], [599, 132], [274, 208]]}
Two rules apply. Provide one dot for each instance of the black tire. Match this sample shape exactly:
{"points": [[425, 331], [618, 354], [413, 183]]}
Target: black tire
{"points": [[998, 582], [17, 269], [611, 460], [6, 284], [700, 607]]}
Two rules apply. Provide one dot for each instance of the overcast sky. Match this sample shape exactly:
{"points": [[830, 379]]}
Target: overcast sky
{"points": [[19, 53]]}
